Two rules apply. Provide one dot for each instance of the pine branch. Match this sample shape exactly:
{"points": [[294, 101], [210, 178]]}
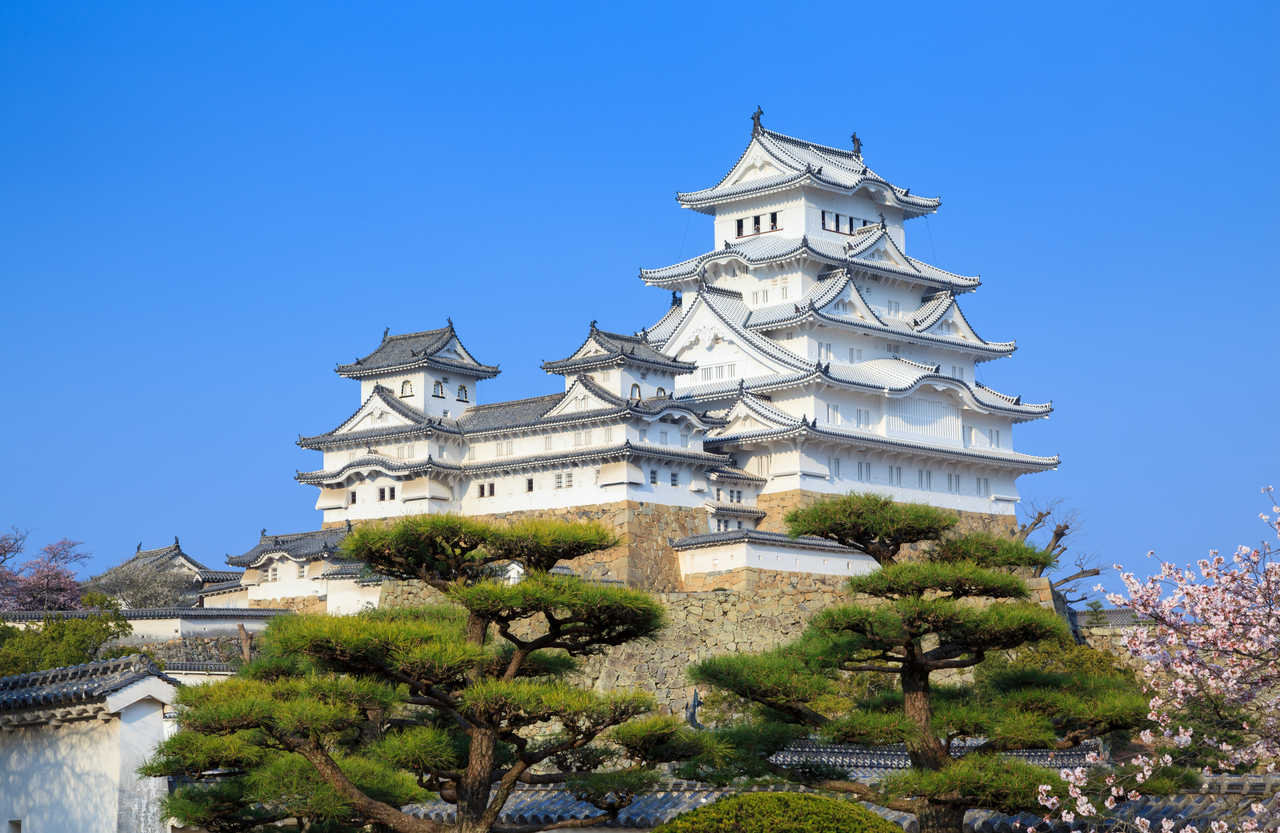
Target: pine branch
{"points": [[368, 807]]}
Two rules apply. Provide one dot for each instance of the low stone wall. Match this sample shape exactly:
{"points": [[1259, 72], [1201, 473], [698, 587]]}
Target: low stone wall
{"points": [[196, 649], [778, 504]]}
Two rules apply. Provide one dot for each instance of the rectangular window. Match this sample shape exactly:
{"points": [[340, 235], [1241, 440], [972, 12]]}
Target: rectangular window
{"points": [[391, 493], [382, 493], [755, 224], [863, 417], [662, 437], [784, 290], [824, 219], [302, 571], [893, 348], [855, 355], [272, 573], [684, 439], [644, 435], [559, 480], [864, 472], [924, 479], [675, 478], [893, 308], [953, 483], [718, 493], [739, 226], [491, 485], [653, 477], [833, 414], [353, 497], [608, 435], [546, 443], [528, 484], [984, 487], [837, 225], [773, 221], [895, 475], [824, 351], [957, 371], [481, 487], [568, 480], [833, 467]]}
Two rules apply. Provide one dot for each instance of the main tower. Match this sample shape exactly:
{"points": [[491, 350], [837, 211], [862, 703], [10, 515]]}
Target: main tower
{"points": [[838, 361]]}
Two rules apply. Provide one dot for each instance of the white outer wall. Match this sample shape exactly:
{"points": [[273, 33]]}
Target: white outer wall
{"points": [[764, 556], [79, 777], [61, 779]]}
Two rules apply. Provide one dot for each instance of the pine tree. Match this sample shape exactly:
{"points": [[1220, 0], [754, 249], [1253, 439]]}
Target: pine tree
{"points": [[346, 719], [955, 601]]}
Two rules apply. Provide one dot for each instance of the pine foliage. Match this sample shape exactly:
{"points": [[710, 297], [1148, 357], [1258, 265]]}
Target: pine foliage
{"points": [[345, 719], [956, 603]]}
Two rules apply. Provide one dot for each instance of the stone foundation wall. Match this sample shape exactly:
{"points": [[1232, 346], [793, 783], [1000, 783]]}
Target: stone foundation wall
{"points": [[298, 604], [778, 504]]}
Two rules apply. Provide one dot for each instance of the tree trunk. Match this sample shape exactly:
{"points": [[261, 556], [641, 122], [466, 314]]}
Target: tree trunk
{"points": [[926, 751], [474, 788], [941, 818]]}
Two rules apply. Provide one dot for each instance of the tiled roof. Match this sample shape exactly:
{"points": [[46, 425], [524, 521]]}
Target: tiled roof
{"points": [[209, 577], [617, 349], [149, 613], [733, 473], [222, 587], [509, 414], [755, 536], [406, 468], [398, 353], [772, 248], [1108, 618], [75, 684], [316, 543], [741, 510], [806, 162], [171, 554], [419, 424], [626, 451], [207, 666], [870, 763]]}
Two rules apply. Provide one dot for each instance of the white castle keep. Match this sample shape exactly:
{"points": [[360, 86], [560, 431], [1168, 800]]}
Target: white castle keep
{"points": [[804, 354]]}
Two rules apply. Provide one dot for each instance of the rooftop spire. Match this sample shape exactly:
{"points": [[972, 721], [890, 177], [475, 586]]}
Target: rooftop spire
{"points": [[857, 144], [755, 120]]}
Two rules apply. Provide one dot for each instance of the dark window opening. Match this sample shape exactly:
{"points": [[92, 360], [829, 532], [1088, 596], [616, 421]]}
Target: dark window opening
{"points": [[391, 493], [653, 476], [528, 484], [773, 220], [353, 496], [740, 226], [755, 224]]}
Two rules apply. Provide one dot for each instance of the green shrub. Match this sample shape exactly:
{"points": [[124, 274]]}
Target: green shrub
{"points": [[780, 813]]}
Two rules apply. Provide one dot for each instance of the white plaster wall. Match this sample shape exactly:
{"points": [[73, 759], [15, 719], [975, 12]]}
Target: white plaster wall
{"points": [[62, 779], [423, 385], [739, 554], [790, 218], [142, 728], [344, 597], [190, 624], [239, 598]]}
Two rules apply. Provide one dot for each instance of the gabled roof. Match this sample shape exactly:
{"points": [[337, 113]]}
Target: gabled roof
{"points": [[798, 163], [75, 684], [302, 546], [160, 558], [417, 424], [854, 252], [775, 424], [605, 349], [440, 348], [816, 305]]}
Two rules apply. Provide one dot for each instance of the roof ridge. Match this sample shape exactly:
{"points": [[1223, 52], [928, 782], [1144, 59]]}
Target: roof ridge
{"points": [[475, 408]]}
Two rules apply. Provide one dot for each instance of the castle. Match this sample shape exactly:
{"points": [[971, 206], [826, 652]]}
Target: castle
{"points": [[804, 354]]}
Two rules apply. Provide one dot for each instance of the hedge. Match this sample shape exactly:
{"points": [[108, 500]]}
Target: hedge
{"points": [[768, 812]]}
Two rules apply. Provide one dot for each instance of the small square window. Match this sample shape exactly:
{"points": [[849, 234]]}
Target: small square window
{"points": [[568, 480], [528, 484], [382, 493], [353, 497], [391, 493]]}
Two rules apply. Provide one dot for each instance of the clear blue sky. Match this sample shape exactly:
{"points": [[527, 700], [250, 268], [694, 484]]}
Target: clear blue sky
{"points": [[205, 208]]}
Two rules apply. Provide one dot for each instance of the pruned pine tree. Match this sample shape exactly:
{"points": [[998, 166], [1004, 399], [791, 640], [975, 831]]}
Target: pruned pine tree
{"points": [[345, 719], [957, 599]]}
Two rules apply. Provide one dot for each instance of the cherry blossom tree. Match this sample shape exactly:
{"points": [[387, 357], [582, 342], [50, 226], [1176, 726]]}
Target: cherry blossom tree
{"points": [[1209, 645], [45, 582]]}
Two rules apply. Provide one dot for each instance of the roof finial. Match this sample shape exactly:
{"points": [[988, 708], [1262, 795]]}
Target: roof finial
{"points": [[755, 120], [449, 320], [263, 534], [726, 244], [906, 192], [139, 549], [175, 540], [385, 332], [857, 144], [593, 325]]}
